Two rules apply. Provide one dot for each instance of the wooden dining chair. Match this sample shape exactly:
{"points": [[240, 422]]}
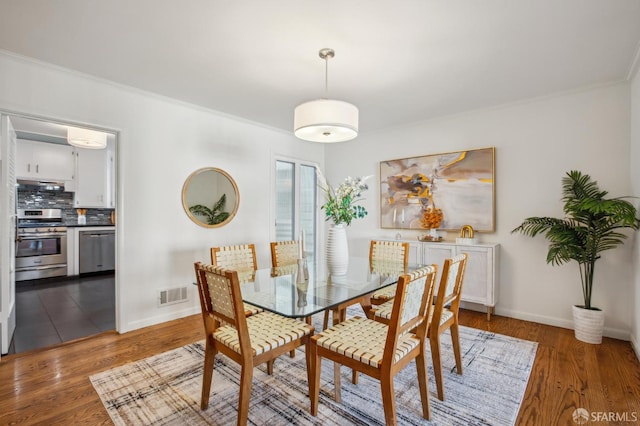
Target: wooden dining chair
{"points": [[241, 258], [444, 316], [249, 341], [386, 258], [380, 350], [284, 253]]}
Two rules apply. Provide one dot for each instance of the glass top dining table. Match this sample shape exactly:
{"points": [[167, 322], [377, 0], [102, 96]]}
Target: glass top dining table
{"points": [[283, 291]]}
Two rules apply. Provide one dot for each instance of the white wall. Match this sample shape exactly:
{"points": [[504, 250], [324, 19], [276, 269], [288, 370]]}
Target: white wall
{"points": [[536, 142], [160, 143], [635, 190]]}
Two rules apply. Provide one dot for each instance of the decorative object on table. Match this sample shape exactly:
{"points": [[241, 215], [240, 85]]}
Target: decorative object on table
{"points": [[341, 208], [430, 238], [466, 236], [461, 184], [326, 120], [591, 225], [82, 218]]}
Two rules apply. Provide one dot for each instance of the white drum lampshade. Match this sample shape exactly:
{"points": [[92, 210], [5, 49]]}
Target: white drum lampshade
{"points": [[326, 120], [85, 138]]}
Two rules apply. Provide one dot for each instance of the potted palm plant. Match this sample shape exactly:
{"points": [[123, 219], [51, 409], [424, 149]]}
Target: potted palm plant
{"points": [[591, 225]]}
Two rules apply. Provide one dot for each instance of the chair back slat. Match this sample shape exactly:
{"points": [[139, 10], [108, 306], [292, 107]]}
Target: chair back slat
{"points": [[412, 304], [220, 295], [450, 289], [388, 257], [395, 251], [219, 287], [241, 257], [284, 253]]}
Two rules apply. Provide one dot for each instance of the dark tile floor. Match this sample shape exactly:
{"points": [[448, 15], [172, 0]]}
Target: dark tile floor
{"points": [[51, 312]]}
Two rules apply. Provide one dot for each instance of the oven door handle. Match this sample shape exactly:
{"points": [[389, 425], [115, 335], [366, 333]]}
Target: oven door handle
{"points": [[40, 268], [40, 236]]}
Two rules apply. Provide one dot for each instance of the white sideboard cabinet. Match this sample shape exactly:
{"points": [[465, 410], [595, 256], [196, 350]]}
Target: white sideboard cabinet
{"points": [[482, 273]]}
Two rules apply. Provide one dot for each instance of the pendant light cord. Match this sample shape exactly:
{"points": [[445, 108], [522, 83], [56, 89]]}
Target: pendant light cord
{"points": [[326, 77], [326, 54]]}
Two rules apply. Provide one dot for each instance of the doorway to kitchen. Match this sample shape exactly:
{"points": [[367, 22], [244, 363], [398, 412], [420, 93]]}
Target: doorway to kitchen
{"points": [[60, 188]]}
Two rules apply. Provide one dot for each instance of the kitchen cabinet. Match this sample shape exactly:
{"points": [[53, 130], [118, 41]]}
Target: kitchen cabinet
{"points": [[481, 275], [44, 161], [94, 183]]}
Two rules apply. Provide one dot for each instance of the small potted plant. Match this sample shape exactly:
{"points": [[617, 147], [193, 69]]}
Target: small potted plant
{"points": [[591, 225]]}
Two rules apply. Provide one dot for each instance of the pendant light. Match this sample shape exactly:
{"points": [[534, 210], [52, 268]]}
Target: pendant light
{"points": [[85, 138], [326, 120]]}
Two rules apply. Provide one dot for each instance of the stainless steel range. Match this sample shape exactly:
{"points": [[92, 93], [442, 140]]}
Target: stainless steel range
{"points": [[41, 244]]}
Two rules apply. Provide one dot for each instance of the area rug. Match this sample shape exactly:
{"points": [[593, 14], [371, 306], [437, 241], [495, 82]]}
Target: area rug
{"points": [[165, 389]]}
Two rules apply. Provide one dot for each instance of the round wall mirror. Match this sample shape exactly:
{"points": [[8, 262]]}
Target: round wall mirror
{"points": [[210, 197]]}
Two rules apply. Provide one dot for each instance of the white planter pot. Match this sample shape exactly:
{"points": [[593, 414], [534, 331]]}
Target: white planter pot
{"points": [[337, 250], [588, 324]]}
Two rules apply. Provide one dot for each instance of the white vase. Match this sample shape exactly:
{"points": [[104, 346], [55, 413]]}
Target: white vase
{"points": [[337, 250], [588, 324]]}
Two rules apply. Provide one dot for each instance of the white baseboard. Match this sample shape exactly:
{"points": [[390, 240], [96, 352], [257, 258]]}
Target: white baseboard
{"points": [[158, 319], [636, 347], [614, 333]]}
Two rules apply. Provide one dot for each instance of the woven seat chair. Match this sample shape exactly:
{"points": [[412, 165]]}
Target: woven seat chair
{"points": [[284, 253], [241, 258], [387, 258], [380, 350], [249, 341], [444, 315]]}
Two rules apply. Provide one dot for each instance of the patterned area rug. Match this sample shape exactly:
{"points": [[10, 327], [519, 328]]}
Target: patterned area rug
{"points": [[165, 389]]}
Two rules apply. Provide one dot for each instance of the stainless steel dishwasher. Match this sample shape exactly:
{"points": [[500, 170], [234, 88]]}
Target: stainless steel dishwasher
{"points": [[97, 251]]}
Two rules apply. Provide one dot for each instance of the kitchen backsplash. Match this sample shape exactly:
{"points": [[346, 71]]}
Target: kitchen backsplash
{"points": [[37, 197]]}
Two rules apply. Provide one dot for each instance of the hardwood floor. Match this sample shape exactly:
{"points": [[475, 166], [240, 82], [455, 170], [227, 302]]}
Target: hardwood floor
{"points": [[52, 386]]}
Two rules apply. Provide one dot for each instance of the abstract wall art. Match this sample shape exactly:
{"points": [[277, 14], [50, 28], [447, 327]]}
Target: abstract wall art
{"points": [[439, 191]]}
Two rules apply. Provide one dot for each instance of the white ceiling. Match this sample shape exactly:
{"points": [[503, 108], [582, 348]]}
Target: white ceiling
{"points": [[398, 61]]}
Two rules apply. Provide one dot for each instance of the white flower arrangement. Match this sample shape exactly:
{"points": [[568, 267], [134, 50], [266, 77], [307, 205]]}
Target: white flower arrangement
{"points": [[341, 207]]}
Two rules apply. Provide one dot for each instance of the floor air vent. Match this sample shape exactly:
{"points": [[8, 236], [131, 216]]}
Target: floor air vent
{"points": [[173, 295]]}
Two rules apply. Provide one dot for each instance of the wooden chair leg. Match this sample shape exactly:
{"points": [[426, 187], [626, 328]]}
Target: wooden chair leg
{"points": [[388, 400], [207, 375], [325, 323], [423, 382], [315, 364], [270, 367], [434, 339], [246, 376], [292, 354], [455, 340]]}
